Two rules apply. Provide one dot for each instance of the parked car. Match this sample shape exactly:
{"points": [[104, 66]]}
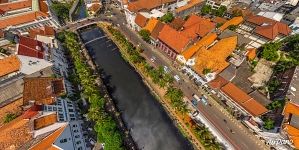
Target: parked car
{"points": [[177, 78], [92, 141], [166, 70], [153, 59], [195, 113]]}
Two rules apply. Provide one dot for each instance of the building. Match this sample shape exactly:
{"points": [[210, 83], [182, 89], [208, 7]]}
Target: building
{"points": [[291, 125], [140, 22], [191, 7], [155, 33], [45, 34], [12, 67], [33, 48], [172, 42], [215, 4]]}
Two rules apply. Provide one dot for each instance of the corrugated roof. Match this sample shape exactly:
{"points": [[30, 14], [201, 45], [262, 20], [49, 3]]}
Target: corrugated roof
{"points": [[215, 57], [174, 39], [233, 21], [9, 65], [151, 24], [140, 20]]}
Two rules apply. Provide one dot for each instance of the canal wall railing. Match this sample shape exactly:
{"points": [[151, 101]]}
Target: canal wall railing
{"points": [[109, 103]]}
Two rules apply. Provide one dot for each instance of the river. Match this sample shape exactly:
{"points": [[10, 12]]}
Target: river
{"points": [[151, 127]]}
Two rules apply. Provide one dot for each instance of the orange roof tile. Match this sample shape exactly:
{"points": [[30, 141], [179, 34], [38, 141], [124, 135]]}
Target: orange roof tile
{"points": [[42, 90], [204, 42], [215, 57], [157, 29], [233, 21], [197, 26], [177, 23], [15, 5], [151, 24], [45, 121], [293, 134], [44, 31], [13, 107], [190, 4], [140, 20], [218, 82], [291, 108], [43, 6], [21, 19], [138, 5], [251, 54], [48, 142], [174, 39], [9, 65], [243, 99], [219, 20]]}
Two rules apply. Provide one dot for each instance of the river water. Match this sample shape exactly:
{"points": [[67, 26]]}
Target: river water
{"points": [[151, 127]]}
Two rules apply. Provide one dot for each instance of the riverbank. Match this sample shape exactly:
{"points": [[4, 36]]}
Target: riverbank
{"points": [[181, 121]]}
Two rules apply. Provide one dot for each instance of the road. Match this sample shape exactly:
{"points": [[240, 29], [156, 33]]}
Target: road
{"points": [[241, 139]]}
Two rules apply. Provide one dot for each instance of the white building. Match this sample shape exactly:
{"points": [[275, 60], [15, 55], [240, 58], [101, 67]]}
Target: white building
{"points": [[215, 4]]}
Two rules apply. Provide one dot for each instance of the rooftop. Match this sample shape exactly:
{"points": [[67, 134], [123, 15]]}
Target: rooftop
{"points": [[157, 29], [44, 31], [241, 39], [31, 47], [151, 24], [140, 20], [177, 23], [244, 100], [44, 121], [174, 39], [215, 57], [233, 21], [139, 5], [15, 5], [293, 89], [218, 82], [190, 4], [11, 63], [30, 65], [21, 19], [197, 26], [42, 90], [293, 134]]}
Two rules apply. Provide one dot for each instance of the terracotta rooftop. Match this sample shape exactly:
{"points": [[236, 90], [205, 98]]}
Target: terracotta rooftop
{"points": [[218, 82], [11, 108], [177, 23], [219, 20], [42, 90], [94, 7], [45, 121], [293, 134], [30, 47], [15, 5], [215, 57], [21, 19], [197, 26], [251, 54], [174, 39], [138, 5], [47, 143], [140, 20], [157, 29], [190, 4], [9, 65], [151, 24], [204, 42], [291, 108], [243, 99], [44, 31], [269, 28], [233, 21], [43, 6]]}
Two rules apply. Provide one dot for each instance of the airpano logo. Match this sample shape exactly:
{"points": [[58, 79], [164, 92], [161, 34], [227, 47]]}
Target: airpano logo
{"points": [[275, 142]]}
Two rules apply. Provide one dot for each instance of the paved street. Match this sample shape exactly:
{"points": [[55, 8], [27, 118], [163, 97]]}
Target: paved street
{"points": [[241, 139]]}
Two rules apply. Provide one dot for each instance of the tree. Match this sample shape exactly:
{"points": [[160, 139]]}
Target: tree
{"points": [[273, 85], [206, 9], [167, 18], [276, 104], [61, 10], [220, 11], [237, 13], [219, 25], [145, 34], [232, 27], [9, 117], [268, 124], [269, 51], [206, 71]]}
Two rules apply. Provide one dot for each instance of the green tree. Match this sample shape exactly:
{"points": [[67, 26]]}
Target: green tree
{"points": [[167, 18], [232, 27], [61, 9], [145, 34], [206, 71], [219, 25], [276, 104], [9, 117], [268, 124], [270, 51], [237, 13], [206, 9], [273, 85]]}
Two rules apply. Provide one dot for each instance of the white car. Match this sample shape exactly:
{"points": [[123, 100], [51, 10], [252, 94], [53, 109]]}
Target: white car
{"points": [[153, 59], [166, 70], [177, 78]]}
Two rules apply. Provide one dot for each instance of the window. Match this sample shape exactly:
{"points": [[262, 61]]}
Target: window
{"points": [[77, 136], [74, 125], [78, 142], [72, 119], [72, 115], [76, 131], [71, 110], [63, 140], [79, 148]]}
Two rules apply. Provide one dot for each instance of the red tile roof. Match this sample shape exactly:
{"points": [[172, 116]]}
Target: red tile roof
{"points": [[45, 121], [174, 39], [9, 65], [16, 5], [140, 20], [42, 90], [243, 99], [30, 47], [157, 29], [43, 6], [138, 5], [269, 28], [177, 23], [197, 26], [44, 31], [218, 82]]}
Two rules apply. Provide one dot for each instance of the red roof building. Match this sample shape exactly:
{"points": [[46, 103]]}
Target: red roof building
{"points": [[140, 20], [44, 31], [30, 47]]}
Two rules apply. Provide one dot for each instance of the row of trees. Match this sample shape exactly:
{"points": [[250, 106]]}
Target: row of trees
{"points": [[105, 126], [61, 10], [208, 140], [207, 9]]}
